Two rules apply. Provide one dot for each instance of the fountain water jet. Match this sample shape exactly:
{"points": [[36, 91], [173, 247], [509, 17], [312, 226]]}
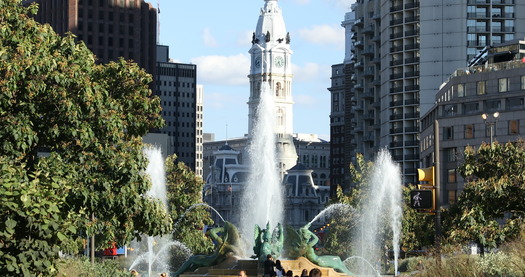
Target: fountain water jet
{"points": [[193, 207], [364, 260], [338, 207], [155, 249], [382, 210], [262, 200]]}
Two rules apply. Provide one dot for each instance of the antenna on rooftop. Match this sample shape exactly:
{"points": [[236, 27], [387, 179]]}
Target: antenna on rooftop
{"points": [[226, 133], [158, 21]]}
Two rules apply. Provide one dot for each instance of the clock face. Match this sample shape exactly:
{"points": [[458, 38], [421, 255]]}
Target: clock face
{"points": [[257, 62], [279, 61]]}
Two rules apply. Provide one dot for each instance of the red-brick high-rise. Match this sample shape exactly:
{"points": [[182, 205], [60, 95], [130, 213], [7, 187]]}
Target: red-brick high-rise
{"points": [[109, 28]]}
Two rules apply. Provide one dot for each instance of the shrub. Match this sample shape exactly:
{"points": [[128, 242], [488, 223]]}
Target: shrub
{"points": [[82, 267], [501, 264]]}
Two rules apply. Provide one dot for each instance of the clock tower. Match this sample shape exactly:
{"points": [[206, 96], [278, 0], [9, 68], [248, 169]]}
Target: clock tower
{"points": [[271, 69]]}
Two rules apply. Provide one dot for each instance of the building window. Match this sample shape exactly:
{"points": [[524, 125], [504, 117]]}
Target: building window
{"points": [[306, 160], [515, 103], [469, 131], [448, 133], [450, 154], [449, 110], [492, 105], [503, 84], [451, 196], [461, 90], [470, 108], [451, 175], [278, 89], [514, 127], [335, 102], [481, 87]]}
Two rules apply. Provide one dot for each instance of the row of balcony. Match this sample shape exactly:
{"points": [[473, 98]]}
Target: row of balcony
{"points": [[483, 29], [397, 144], [406, 34], [406, 61], [491, 2], [406, 102], [486, 15], [407, 47], [406, 129], [407, 89], [412, 19], [407, 6], [410, 74], [404, 116]]}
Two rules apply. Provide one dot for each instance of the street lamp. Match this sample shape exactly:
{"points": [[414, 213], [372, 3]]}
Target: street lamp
{"points": [[490, 123]]}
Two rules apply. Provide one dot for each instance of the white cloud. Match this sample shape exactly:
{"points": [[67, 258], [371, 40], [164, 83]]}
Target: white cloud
{"points": [[223, 70], [324, 35], [208, 38]]}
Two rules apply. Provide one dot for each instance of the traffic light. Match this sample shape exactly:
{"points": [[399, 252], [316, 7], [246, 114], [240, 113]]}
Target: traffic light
{"points": [[426, 175], [424, 198]]}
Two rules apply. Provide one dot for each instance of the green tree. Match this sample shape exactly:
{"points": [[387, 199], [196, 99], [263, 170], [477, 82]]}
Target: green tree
{"points": [[55, 99], [185, 192], [342, 225], [494, 190]]}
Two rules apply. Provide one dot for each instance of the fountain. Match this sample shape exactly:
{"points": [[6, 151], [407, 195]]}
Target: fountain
{"points": [[155, 252], [381, 212], [262, 200]]}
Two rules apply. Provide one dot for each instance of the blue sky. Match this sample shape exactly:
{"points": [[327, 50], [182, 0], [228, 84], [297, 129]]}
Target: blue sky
{"points": [[216, 35]]}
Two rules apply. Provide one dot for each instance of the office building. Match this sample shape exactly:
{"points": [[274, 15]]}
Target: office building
{"points": [[109, 28], [479, 104], [181, 101], [404, 51]]}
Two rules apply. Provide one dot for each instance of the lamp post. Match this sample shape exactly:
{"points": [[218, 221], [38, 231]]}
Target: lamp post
{"points": [[490, 124]]}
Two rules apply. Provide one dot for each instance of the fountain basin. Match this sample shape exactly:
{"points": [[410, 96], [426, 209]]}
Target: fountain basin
{"points": [[231, 267]]}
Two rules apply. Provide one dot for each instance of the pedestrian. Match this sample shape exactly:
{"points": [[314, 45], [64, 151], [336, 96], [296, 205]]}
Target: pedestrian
{"points": [[304, 273], [279, 270], [315, 272], [269, 265], [289, 273], [134, 272], [242, 273]]}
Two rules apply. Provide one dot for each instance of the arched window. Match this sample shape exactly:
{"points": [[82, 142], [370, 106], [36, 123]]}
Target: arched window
{"points": [[277, 89], [280, 117]]}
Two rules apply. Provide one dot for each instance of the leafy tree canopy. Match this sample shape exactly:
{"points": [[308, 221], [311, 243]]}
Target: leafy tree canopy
{"points": [[55, 99], [184, 201], [494, 191]]}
